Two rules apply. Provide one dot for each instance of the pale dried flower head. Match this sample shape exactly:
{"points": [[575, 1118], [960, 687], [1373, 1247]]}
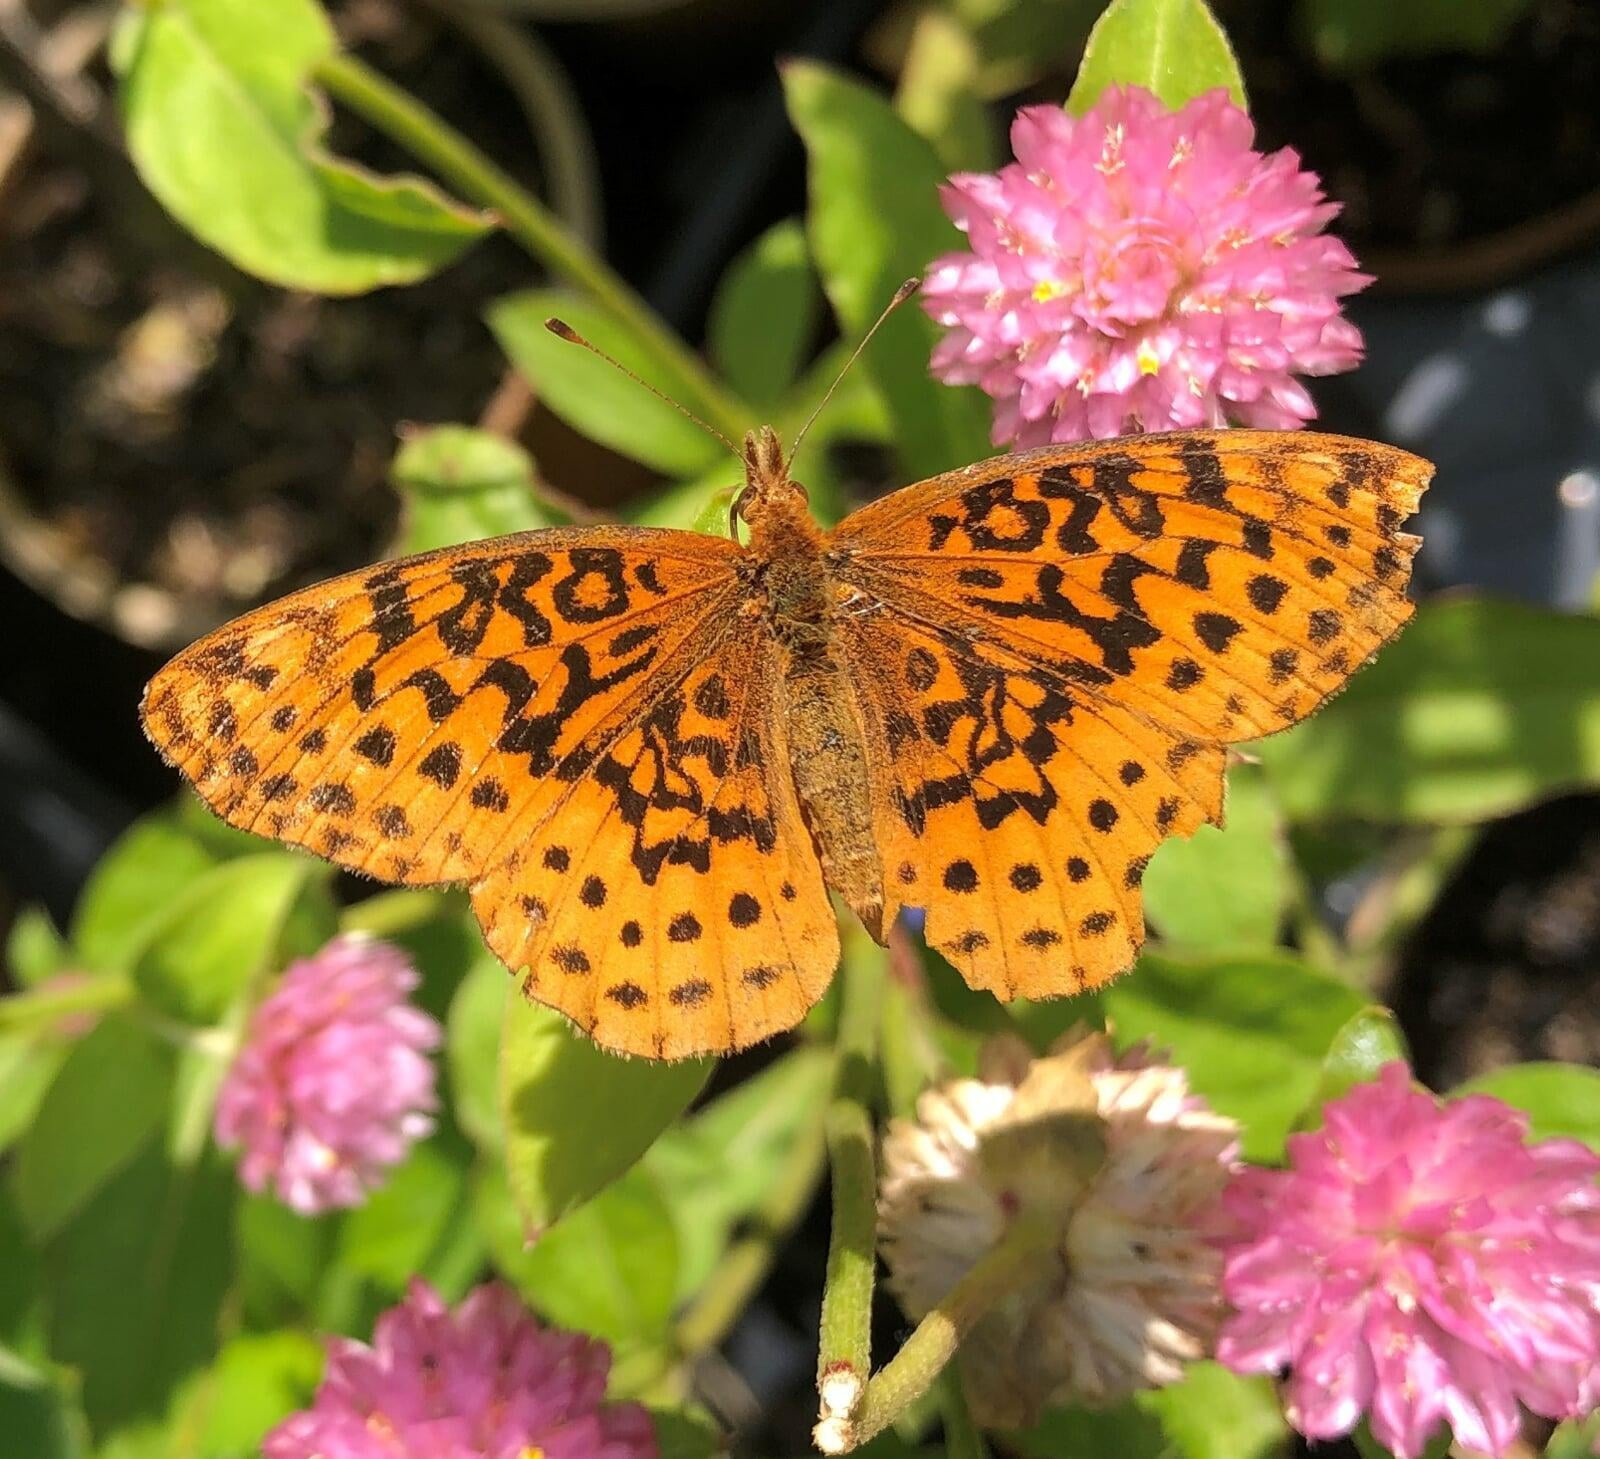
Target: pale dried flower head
{"points": [[1124, 1159]]}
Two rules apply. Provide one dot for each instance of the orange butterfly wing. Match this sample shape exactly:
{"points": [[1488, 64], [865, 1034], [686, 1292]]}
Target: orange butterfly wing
{"points": [[490, 713], [676, 905], [1052, 650]]}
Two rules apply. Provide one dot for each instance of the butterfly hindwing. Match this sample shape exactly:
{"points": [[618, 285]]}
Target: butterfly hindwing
{"points": [[1055, 647], [675, 904]]}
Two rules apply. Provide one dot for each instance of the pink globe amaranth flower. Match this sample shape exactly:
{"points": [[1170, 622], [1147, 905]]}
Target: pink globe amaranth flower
{"points": [[333, 1083], [1418, 1262], [486, 1381], [1139, 269]]}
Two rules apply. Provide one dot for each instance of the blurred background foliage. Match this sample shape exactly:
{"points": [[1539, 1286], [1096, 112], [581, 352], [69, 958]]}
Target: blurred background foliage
{"points": [[214, 387]]}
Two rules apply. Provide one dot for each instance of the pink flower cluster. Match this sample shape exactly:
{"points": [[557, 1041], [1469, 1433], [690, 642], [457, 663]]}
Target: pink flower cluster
{"points": [[333, 1083], [484, 1382], [1419, 1263], [1138, 269]]}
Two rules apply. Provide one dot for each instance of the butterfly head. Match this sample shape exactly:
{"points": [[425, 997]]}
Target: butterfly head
{"points": [[768, 489]]}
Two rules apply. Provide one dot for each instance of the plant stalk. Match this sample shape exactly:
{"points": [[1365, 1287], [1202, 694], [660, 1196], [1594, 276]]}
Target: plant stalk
{"points": [[844, 1357], [433, 141], [745, 1264], [1012, 1261], [89, 993]]}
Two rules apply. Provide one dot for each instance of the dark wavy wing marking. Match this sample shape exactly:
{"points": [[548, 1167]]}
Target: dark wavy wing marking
{"points": [[675, 905], [1055, 647], [1223, 583], [1017, 811], [398, 719]]}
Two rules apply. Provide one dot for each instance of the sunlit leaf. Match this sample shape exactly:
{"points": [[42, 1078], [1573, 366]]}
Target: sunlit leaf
{"points": [[458, 484], [129, 891], [596, 398], [575, 1116], [1251, 1030], [104, 1106], [1370, 1039], [34, 949], [223, 130], [222, 931], [1224, 888], [472, 1050], [874, 221], [1560, 1099], [1174, 48], [1215, 1414], [610, 1268], [765, 315], [717, 1166], [1478, 707]]}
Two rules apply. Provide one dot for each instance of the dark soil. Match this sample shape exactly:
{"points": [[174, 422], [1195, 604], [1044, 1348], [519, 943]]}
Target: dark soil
{"points": [[1502, 969]]}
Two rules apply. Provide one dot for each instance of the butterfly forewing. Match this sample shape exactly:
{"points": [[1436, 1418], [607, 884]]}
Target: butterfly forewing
{"points": [[1055, 647], [406, 719]]}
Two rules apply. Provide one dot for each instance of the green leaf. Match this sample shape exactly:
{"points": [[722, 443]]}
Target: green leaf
{"points": [[1224, 888], [37, 1418], [1575, 1439], [392, 1236], [1174, 48], [1021, 41], [282, 1256], [105, 1105], [700, 505], [472, 1051], [598, 399], [223, 931], [21, 1285], [765, 315], [684, 1435], [610, 1268], [1560, 1099], [1477, 708], [1126, 1431], [717, 1166], [257, 1380], [576, 1116], [223, 130], [137, 1282], [1215, 1414], [1369, 1040], [938, 95], [35, 950], [874, 221], [129, 891], [1252, 1031], [29, 1064], [458, 484], [1352, 35]]}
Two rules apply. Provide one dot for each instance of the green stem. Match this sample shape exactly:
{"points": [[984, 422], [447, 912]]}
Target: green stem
{"points": [[1011, 1262], [844, 1358], [962, 1438], [431, 139], [92, 993], [745, 1264]]}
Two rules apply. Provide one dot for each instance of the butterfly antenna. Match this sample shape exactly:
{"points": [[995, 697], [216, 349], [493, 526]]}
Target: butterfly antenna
{"points": [[562, 330], [904, 292]]}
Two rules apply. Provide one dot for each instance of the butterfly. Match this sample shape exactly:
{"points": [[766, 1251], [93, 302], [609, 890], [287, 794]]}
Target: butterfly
{"points": [[650, 754]]}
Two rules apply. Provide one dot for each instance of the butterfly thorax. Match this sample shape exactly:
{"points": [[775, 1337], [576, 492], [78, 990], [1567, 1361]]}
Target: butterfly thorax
{"points": [[790, 585]]}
